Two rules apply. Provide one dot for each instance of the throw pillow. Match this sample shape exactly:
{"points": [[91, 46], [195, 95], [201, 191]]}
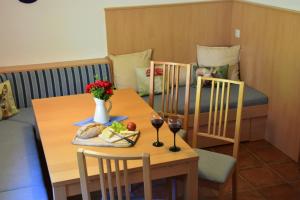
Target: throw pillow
{"points": [[143, 80], [124, 67], [215, 72], [219, 56], [7, 102]]}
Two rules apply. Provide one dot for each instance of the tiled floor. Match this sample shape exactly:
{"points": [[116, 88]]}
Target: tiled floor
{"points": [[264, 173]]}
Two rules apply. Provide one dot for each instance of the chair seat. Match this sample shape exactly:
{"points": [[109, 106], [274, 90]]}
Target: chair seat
{"points": [[182, 133], [213, 166]]}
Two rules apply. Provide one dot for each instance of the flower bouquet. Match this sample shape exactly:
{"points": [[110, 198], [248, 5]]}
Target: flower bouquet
{"points": [[101, 91]]}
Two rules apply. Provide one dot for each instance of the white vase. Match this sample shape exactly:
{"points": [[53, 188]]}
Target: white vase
{"points": [[101, 112]]}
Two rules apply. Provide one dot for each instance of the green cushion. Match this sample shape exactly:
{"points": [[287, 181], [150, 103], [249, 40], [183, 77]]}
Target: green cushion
{"points": [[252, 97], [182, 133], [25, 115], [213, 166]]}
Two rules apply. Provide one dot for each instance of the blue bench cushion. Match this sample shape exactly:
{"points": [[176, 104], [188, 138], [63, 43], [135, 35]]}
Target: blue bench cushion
{"points": [[252, 97], [25, 115], [44, 83], [28, 193], [20, 165]]}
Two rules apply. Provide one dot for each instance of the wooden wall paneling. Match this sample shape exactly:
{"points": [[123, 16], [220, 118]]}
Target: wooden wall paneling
{"points": [[270, 62], [172, 31]]}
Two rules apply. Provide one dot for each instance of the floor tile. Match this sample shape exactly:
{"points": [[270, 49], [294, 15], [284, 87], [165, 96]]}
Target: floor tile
{"points": [[290, 171], [205, 193], [280, 192], [260, 176], [257, 145], [247, 195], [271, 155], [242, 185], [247, 160], [296, 186]]}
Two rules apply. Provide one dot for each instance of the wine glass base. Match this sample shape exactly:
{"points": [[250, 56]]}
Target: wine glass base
{"points": [[158, 144], [174, 149]]}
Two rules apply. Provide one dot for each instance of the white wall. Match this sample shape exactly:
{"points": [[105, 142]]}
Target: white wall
{"points": [[288, 4], [59, 30], [56, 30]]}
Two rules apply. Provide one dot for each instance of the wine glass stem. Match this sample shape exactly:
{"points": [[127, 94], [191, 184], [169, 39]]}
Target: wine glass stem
{"points": [[174, 140], [157, 138]]}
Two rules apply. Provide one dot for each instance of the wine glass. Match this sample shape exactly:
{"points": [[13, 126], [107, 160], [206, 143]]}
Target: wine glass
{"points": [[175, 124], [157, 121]]}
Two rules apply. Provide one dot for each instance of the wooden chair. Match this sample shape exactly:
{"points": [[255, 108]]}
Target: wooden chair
{"points": [[169, 98], [214, 169], [115, 159]]}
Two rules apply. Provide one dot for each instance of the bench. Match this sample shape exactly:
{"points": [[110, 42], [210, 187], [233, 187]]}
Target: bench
{"points": [[23, 168]]}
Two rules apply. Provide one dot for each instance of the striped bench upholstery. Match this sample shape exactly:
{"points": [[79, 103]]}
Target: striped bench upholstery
{"points": [[27, 85]]}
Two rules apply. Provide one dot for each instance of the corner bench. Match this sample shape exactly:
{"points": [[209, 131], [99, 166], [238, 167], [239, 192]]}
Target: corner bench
{"points": [[23, 173]]}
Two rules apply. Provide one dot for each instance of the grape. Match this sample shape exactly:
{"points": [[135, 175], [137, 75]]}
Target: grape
{"points": [[118, 127]]}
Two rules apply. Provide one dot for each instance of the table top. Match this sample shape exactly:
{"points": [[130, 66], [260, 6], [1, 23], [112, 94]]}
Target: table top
{"points": [[55, 119]]}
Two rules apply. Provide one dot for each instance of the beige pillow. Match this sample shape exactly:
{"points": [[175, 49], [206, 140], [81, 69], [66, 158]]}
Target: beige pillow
{"points": [[7, 102], [124, 67], [143, 81], [220, 56]]}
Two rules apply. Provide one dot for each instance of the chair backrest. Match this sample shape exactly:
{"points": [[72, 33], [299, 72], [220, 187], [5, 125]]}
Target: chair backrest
{"points": [[109, 161], [174, 76], [219, 114]]}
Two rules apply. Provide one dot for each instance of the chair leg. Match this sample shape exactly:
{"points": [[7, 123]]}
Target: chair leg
{"points": [[234, 185]]}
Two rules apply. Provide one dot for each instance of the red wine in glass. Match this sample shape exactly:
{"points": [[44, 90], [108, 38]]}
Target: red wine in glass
{"points": [[174, 125], [157, 121]]}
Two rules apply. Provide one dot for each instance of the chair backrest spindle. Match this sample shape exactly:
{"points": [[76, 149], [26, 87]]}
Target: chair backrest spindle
{"points": [[171, 83], [218, 116], [113, 160]]}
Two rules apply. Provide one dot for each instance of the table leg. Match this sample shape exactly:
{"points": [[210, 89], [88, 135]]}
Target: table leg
{"points": [[191, 182], [59, 193]]}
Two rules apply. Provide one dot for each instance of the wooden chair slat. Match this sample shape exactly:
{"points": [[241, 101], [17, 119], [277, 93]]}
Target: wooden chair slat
{"points": [[109, 179], [216, 108], [211, 105], [83, 175], [226, 110], [118, 179], [126, 180], [176, 91], [102, 179], [221, 109]]}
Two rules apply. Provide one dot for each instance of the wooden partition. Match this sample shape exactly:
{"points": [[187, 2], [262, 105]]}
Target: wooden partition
{"points": [[172, 31], [270, 54], [270, 62]]}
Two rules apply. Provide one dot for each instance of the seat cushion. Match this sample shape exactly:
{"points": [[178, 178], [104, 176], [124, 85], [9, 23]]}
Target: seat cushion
{"points": [[25, 115], [252, 97], [28, 193], [20, 165], [213, 166], [182, 133]]}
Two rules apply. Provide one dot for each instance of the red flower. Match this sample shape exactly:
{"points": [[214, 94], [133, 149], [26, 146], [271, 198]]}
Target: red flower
{"points": [[89, 87], [109, 91], [100, 89]]}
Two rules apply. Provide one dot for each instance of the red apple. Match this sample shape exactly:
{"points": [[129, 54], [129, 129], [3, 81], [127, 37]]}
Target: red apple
{"points": [[131, 126]]}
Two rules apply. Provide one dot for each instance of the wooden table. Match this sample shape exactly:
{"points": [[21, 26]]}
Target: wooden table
{"points": [[55, 118]]}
